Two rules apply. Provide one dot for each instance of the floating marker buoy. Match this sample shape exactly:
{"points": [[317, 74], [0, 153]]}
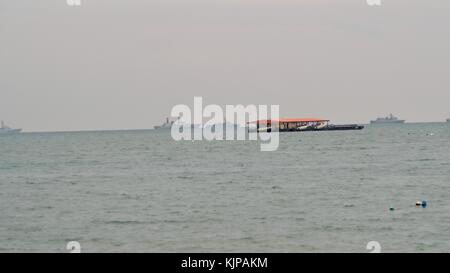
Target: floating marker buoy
{"points": [[424, 204]]}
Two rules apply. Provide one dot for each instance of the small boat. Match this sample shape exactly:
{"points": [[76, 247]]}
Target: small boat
{"points": [[448, 120], [387, 120], [7, 130], [264, 129], [321, 125], [304, 128]]}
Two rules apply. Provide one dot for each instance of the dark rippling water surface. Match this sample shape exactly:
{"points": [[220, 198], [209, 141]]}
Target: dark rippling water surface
{"points": [[140, 191]]}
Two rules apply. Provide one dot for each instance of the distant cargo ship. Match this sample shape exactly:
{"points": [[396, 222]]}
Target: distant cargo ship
{"points": [[387, 120], [6, 130]]}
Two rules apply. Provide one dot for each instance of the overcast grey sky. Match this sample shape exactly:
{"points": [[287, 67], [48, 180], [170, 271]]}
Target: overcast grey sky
{"points": [[113, 64]]}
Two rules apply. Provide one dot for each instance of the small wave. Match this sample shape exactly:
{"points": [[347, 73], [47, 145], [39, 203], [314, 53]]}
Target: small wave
{"points": [[185, 177], [124, 222]]}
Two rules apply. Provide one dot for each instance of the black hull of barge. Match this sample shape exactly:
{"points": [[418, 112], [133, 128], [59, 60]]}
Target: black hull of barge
{"points": [[350, 127]]}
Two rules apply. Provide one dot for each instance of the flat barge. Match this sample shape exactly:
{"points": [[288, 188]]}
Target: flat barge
{"points": [[300, 125]]}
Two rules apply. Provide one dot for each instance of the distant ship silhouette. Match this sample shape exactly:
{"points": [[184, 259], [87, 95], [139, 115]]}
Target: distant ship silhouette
{"points": [[389, 119], [7, 130]]}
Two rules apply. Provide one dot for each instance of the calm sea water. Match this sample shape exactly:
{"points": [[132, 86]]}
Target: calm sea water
{"points": [[140, 191]]}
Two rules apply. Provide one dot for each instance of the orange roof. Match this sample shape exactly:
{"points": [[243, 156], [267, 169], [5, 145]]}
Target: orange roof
{"points": [[291, 120]]}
